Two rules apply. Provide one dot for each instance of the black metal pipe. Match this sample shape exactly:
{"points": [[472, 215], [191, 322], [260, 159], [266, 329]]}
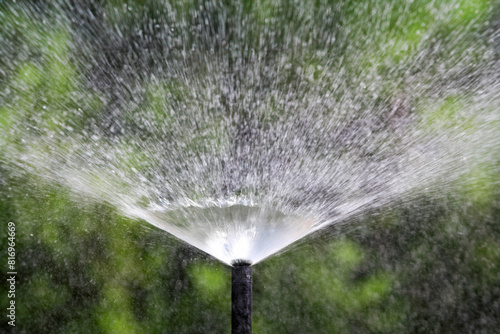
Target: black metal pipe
{"points": [[241, 298]]}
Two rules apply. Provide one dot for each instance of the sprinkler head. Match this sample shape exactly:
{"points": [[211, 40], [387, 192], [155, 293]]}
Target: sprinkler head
{"points": [[241, 263]]}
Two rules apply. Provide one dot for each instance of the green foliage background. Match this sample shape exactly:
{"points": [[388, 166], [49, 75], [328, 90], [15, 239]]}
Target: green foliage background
{"points": [[423, 267]]}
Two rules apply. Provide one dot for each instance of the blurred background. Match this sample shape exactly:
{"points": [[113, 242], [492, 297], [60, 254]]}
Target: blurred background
{"points": [[429, 265]]}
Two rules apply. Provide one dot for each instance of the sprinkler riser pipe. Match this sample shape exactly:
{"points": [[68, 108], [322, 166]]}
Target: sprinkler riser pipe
{"points": [[241, 299]]}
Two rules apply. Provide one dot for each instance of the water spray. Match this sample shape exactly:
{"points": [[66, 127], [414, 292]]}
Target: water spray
{"points": [[241, 297], [240, 154]]}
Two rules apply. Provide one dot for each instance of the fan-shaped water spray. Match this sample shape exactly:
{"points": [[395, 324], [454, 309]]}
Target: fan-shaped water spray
{"points": [[242, 128]]}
